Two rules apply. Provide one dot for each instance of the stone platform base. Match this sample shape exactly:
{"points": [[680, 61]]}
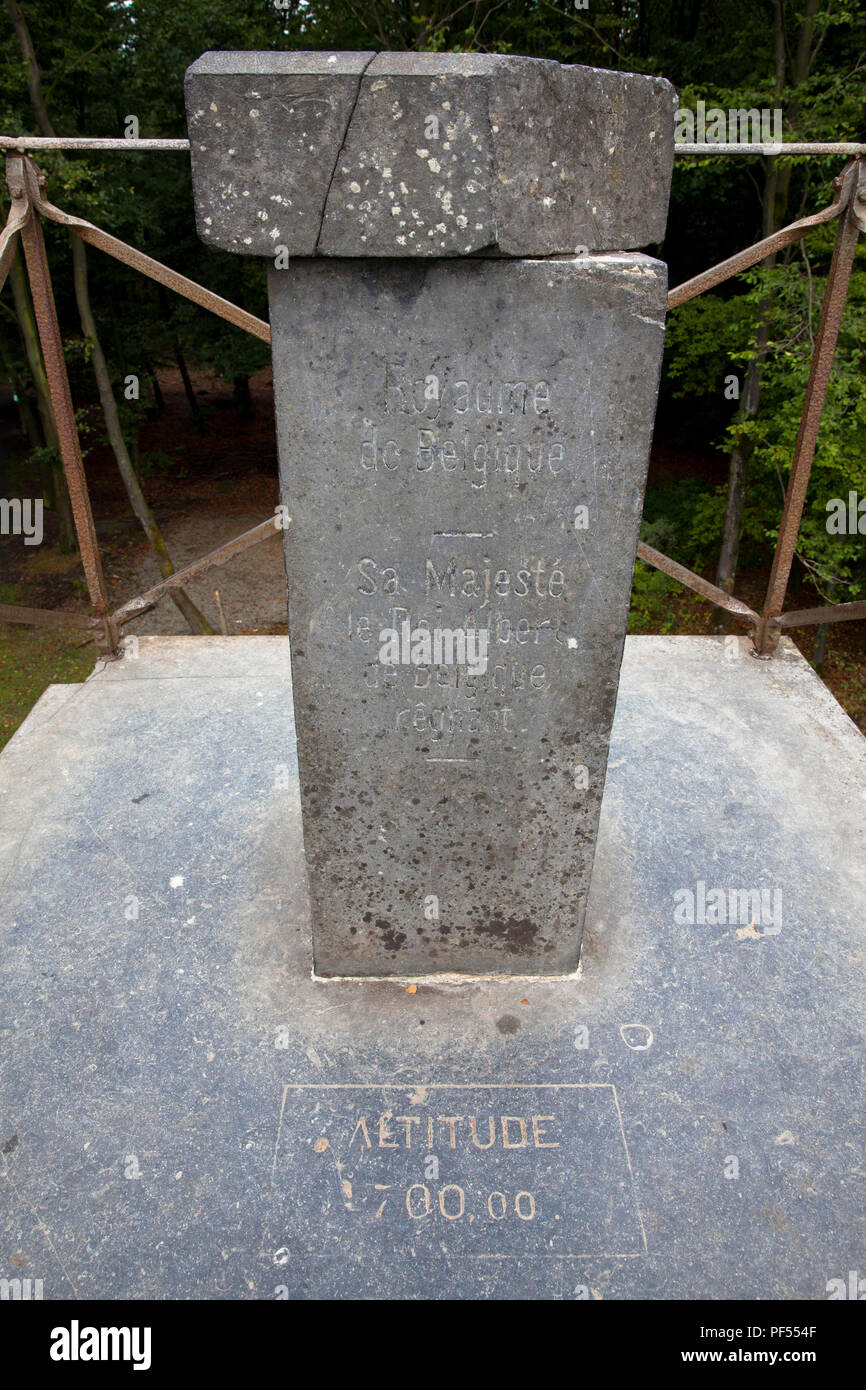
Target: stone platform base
{"points": [[186, 1113]]}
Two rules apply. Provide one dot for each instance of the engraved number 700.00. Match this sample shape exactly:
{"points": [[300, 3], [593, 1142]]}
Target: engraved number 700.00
{"points": [[452, 1203]]}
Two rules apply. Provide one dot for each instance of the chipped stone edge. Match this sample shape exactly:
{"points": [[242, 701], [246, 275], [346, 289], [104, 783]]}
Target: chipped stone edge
{"points": [[446, 980]]}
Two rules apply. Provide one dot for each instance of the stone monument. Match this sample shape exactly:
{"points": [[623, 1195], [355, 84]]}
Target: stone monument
{"points": [[466, 352]]}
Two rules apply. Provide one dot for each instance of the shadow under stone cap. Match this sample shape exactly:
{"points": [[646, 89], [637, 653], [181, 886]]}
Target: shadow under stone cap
{"points": [[421, 154]]}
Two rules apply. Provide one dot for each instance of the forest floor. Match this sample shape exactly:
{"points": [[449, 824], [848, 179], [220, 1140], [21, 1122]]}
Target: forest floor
{"points": [[226, 483]]}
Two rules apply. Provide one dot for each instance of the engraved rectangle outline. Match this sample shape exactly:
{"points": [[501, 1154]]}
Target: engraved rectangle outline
{"points": [[482, 1086]]}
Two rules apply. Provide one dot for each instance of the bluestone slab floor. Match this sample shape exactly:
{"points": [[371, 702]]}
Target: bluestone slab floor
{"points": [[186, 1113]]}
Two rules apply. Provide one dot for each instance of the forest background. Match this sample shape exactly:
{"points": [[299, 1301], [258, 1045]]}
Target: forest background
{"points": [[200, 434]]}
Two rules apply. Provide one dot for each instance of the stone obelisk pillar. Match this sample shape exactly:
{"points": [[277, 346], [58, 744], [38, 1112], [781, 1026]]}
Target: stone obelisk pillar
{"points": [[466, 352]]}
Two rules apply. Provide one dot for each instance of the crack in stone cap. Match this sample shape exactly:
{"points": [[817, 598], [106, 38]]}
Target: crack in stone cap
{"points": [[423, 154]]}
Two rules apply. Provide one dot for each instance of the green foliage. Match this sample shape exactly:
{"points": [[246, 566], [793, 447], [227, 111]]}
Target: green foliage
{"points": [[103, 61], [713, 336], [705, 339], [31, 660], [44, 457], [666, 526], [158, 461], [650, 600]]}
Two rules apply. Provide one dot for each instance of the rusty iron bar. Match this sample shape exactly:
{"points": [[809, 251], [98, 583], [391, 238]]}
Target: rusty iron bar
{"points": [[22, 143], [135, 606], [744, 260], [30, 183], [120, 144], [9, 240], [21, 178], [815, 147], [695, 582], [163, 274], [849, 198], [45, 617], [830, 321], [833, 613]]}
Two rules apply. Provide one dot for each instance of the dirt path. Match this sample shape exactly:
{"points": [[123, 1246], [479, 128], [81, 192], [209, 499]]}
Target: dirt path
{"points": [[252, 586]]}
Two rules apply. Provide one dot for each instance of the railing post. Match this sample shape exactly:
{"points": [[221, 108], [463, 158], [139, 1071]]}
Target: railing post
{"points": [[22, 178], [851, 223]]}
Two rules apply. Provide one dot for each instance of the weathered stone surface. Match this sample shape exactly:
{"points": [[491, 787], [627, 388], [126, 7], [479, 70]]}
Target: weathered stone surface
{"points": [[463, 447], [264, 132], [587, 155], [407, 154], [441, 425], [158, 1007], [399, 189]]}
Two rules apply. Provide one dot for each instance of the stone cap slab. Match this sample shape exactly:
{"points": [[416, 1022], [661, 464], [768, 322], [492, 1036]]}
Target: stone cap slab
{"points": [[423, 154]]}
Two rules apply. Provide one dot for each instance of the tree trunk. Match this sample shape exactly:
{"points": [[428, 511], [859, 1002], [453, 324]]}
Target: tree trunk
{"points": [[189, 391], [243, 398], [738, 463], [737, 472], [196, 620], [774, 207], [822, 632], [158, 398], [57, 489], [26, 414]]}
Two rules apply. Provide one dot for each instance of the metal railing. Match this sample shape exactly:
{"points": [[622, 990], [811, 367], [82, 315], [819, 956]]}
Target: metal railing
{"points": [[29, 204]]}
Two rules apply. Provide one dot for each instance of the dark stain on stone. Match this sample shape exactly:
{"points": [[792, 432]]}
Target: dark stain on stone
{"points": [[392, 938], [517, 933], [408, 278], [10, 1146], [137, 799], [508, 1023]]}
